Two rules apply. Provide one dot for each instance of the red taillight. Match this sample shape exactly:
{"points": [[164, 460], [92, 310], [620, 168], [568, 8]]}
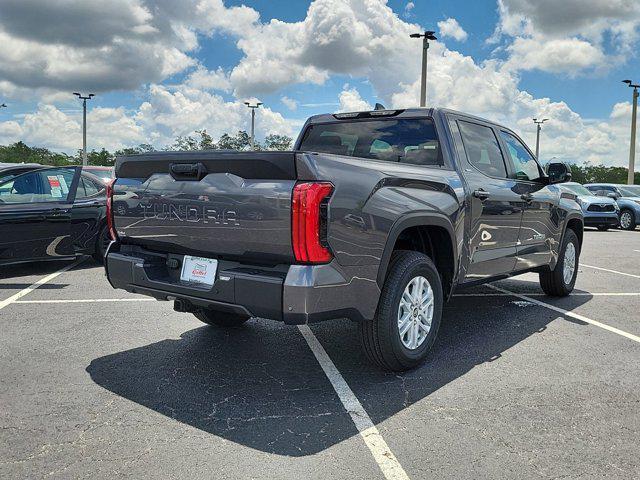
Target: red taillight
{"points": [[110, 227], [307, 222]]}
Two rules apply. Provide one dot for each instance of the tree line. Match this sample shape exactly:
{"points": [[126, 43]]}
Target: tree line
{"points": [[20, 152]]}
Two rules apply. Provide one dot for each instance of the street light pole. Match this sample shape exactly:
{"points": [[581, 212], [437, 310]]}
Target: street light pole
{"points": [[253, 107], [538, 128], [84, 124], [426, 36], [632, 147]]}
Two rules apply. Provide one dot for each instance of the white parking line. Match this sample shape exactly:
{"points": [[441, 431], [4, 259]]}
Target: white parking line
{"points": [[610, 271], [567, 313], [577, 294], [385, 458], [42, 281]]}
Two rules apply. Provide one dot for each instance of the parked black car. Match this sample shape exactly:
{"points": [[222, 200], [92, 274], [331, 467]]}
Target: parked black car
{"points": [[52, 213]]}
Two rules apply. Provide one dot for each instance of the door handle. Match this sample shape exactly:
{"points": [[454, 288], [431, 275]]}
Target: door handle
{"points": [[57, 212], [527, 197], [481, 194]]}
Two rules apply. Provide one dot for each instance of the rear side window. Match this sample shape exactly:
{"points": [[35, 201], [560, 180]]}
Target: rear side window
{"points": [[399, 140], [482, 149]]}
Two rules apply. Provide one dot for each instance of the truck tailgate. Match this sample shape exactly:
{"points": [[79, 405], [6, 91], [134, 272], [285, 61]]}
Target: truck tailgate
{"points": [[216, 204]]}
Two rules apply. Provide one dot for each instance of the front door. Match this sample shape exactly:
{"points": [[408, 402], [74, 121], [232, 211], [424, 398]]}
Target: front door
{"points": [[540, 226], [495, 209], [35, 215]]}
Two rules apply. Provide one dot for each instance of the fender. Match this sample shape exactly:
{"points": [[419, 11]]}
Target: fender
{"points": [[568, 218], [415, 220]]}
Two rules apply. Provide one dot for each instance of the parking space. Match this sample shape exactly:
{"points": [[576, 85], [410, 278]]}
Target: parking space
{"points": [[102, 383]]}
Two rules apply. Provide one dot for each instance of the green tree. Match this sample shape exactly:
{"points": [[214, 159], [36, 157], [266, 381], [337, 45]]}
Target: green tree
{"points": [[239, 141], [277, 142]]}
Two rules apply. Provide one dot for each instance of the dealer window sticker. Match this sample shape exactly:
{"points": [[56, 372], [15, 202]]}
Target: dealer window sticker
{"points": [[63, 184]]}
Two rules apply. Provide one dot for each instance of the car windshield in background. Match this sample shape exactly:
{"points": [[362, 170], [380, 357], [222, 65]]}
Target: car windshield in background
{"points": [[630, 190], [103, 173], [578, 189], [403, 140]]}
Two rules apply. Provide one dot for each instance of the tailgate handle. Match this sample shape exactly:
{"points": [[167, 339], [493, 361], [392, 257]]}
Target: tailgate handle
{"points": [[188, 171]]}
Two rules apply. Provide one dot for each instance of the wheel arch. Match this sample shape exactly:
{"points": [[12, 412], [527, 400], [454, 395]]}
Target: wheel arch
{"points": [[422, 230]]}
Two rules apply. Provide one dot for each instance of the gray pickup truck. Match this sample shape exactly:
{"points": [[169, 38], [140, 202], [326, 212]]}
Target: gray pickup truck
{"points": [[375, 216]]}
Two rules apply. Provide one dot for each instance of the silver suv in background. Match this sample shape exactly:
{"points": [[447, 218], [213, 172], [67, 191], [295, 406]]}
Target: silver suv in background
{"points": [[599, 211], [627, 197]]}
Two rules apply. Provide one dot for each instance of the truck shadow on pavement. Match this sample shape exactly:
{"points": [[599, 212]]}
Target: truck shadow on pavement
{"points": [[260, 385]]}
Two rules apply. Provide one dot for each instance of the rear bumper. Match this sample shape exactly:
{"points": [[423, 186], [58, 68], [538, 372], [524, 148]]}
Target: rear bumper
{"points": [[294, 294]]}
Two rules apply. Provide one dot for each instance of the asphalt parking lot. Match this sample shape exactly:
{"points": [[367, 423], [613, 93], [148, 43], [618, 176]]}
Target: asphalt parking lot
{"points": [[103, 384]]}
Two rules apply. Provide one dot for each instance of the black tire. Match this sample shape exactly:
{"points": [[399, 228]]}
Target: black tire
{"points": [[220, 319], [631, 225], [381, 339], [552, 281], [102, 243], [603, 229]]}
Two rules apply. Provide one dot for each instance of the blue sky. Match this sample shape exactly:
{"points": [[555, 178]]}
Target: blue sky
{"points": [[166, 68]]}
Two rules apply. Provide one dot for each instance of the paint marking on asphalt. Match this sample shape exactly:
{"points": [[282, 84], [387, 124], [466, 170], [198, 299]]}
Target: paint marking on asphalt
{"points": [[86, 300], [381, 452], [567, 313], [42, 281], [576, 294], [610, 271]]}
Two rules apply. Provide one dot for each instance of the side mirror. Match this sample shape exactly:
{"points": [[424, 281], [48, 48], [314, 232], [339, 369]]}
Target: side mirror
{"points": [[559, 172], [613, 195]]}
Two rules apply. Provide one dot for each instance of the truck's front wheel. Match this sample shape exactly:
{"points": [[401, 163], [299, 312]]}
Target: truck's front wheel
{"points": [[560, 281], [408, 316], [220, 319]]}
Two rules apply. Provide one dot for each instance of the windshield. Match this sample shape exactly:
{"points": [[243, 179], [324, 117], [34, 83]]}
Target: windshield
{"points": [[577, 189], [630, 190], [407, 140]]}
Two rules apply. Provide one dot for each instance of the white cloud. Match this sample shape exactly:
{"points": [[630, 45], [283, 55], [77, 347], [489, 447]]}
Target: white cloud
{"points": [[351, 101], [169, 112], [290, 103], [570, 55], [98, 46], [451, 28], [546, 31], [408, 9], [204, 79]]}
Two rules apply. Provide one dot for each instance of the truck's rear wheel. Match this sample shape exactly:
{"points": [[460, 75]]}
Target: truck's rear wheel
{"points": [[560, 281], [220, 319], [408, 316]]}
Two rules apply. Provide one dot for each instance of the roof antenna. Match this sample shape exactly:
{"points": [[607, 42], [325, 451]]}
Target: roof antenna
{"points": [[379, 106]]}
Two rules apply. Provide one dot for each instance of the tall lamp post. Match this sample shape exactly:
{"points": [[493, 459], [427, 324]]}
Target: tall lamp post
{"points": [[632, 147], [426, 36], [253, 107], [538, 128], [84, 123]]}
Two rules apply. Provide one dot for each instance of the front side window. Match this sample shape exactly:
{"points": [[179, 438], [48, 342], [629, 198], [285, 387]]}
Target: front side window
{"points": [[50, 185], [524, 165], [482, 149], [410, 140]]}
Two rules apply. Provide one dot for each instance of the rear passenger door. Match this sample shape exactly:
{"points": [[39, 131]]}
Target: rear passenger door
{"points": [[495, 207], [540, 219]]}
